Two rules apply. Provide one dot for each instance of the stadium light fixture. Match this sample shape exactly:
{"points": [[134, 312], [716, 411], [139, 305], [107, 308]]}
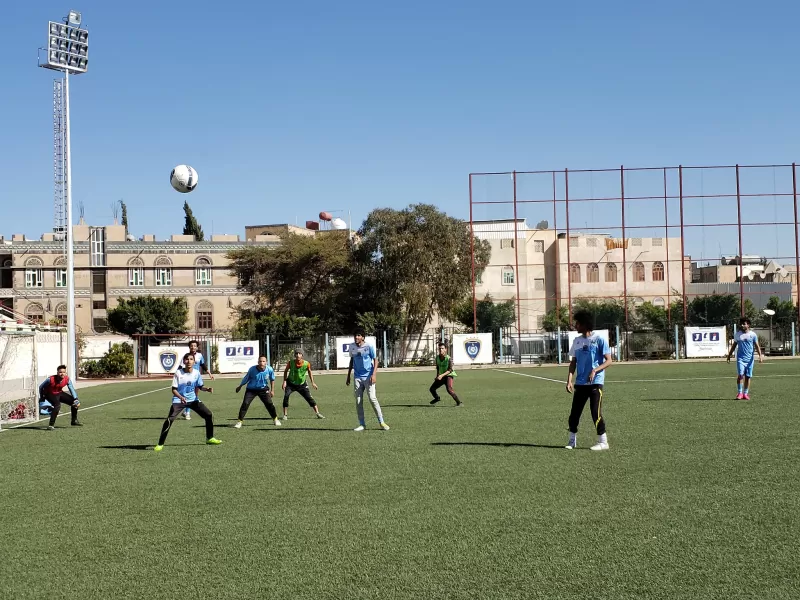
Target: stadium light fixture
{"points": [[67, 51]]}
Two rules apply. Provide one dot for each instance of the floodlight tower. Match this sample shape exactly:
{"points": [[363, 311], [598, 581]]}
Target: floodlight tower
{"points": [[67, 51]]}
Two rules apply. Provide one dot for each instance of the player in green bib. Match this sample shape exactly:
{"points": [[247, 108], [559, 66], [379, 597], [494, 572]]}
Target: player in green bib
{"points": [[444, 376], [294, 380]]}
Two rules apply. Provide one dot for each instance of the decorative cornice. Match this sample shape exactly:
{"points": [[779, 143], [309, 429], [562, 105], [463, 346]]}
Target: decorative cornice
{"points": [[39, 293], [181, 247], [175, 291], [47, 248]]}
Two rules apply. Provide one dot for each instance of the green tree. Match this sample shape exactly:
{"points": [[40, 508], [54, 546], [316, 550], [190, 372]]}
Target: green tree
{"points": [[649, 316], [118, 361], [285, 326], [124, 208], [491, 315], [718, 309], [373, 323], [148, 314], [191, 226], [557, 317]]}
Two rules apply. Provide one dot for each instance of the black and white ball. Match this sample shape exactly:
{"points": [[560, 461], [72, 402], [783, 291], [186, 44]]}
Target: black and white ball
{"points": [[183, 178]]}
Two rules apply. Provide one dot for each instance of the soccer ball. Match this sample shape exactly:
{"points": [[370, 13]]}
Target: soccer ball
{"points": [[183, 178]]}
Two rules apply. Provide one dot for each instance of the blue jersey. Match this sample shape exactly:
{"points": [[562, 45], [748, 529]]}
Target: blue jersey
{"points": [[589, 353], [186, 382], [199, 361], [258, 380], [362, 357], [745, 345]]}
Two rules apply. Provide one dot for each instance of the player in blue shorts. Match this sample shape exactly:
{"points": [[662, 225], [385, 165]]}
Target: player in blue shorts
{"points": [[590, 357], [745, 342]]}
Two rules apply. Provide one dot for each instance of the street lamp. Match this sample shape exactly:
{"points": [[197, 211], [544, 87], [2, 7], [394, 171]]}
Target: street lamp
{"points": [[770, 313], [67, 51]]}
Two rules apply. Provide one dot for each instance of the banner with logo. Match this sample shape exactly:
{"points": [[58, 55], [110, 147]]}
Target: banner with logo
{"points": [[602, 333], [706, 342], [472, 349], [237, 357], [343, 349], [162, 360]]}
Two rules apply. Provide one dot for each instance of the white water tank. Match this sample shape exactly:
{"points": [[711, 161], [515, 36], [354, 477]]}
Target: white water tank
{"points": [[338, 223]]}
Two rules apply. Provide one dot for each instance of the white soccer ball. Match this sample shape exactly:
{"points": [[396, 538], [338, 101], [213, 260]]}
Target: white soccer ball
{"points": [[183, 178]]}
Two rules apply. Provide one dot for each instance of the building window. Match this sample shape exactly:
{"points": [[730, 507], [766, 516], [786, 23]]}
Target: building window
{"points": [[98, 282], [163, 272], [539, 321], [34, 277], [61, 314], [508, 276], [538, 245], [97, 240], [636, 242], [100, 324], [202, 272], [574, 273], [638, 301], [611, 273], [507, 243], [479, 277], [592, 273], [658, 271], [658, 301], [591, 242], [247, 306], [205, 315], [538, 285], [638, 271], [34, 313], [136, 272], [99, 305], [61, 274], [573, 242], [658, 241]]}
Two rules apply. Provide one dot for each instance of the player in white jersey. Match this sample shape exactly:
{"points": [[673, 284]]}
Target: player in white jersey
{"points": [[745, 341]]}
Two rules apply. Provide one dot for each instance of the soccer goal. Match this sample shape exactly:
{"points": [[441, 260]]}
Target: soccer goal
{"points": [[18, 394]]}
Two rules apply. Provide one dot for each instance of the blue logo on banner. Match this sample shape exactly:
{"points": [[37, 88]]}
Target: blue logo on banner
{"points": [[239, 351], [168, 359], [345, 348], [473, 348], [712, 336]]}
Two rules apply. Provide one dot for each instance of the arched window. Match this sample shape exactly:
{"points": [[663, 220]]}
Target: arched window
{"points": [[61, 314], [202, 272], [658, 301], [247, 306], [611, 272], [592, 273], [508, 275], [34, 312], [163, 271], [205, 315], [136, 272], [61, 274], [34, 277], [658, 271], [638, 271], [574, 273]]}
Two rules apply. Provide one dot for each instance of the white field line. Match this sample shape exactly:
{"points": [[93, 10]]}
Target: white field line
{"points": [[47, 418], [563, 381]]}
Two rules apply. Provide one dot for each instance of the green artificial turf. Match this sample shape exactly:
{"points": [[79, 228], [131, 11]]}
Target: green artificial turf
{"points": [[697, 498]]}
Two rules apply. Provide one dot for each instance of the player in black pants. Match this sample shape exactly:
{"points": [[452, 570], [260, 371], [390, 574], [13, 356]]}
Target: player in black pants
{"points": [[56, 390], [260, 382]]}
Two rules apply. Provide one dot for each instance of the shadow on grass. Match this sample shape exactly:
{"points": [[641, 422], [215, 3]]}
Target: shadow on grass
{"points": [[692, 400], [141, 446], [142, 418], [426, 405], [501, 445], [303, 429]]}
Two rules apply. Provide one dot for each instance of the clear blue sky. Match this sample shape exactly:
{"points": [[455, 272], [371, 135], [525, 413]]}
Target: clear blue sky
{"points": [[286, 109]]}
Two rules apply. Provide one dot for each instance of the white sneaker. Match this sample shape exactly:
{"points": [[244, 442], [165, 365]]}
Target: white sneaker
{"points": [[187, 416], [359, 428], [600, 446], [384, 426], [278, 423], [320, 415], [572, 444], [238, 425], [284, 417]]}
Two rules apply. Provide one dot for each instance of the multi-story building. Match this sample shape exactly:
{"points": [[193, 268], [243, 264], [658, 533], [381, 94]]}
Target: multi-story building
{"points": [[110, 265], [543, 269]]}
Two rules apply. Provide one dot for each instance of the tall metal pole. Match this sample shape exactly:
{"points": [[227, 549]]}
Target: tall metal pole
{"points": [[683, 246], [569, 255], [796, 241], [624, 247], [516, 262], [71, 333], [472, 258], [741, 251]]}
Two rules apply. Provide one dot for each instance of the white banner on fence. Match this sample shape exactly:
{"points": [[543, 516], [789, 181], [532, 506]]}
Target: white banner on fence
{"points": [[165, 359], [706, 342], [237, 357], [603, 333], [343, 349], [472, 349]]}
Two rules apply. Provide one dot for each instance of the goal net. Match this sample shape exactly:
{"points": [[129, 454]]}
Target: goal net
{"points": [[19, 400]]}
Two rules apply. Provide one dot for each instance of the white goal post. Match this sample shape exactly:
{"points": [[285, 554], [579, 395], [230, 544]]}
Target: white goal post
{"points": [[19, 396]]}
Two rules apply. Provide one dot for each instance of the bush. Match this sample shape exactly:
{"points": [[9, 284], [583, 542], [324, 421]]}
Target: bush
{"points": [[117, 362]]}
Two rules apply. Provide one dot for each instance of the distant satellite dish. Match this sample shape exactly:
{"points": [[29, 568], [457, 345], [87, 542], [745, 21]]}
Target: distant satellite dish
{"points": [[338, 223]]}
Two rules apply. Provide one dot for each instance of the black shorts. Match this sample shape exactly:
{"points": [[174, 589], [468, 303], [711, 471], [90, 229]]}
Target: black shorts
{"points": [[584, 392]]}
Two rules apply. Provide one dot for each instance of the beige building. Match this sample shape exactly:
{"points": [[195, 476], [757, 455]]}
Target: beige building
{"points": [[544, 269], [110, 265]]}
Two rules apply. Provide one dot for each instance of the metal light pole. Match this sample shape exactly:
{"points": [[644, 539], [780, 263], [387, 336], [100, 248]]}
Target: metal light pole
{"points": [[770, 313], [68, 51]]}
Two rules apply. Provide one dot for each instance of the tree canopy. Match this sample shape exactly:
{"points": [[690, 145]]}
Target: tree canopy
{"points": [[191, 226], [149, 314]]}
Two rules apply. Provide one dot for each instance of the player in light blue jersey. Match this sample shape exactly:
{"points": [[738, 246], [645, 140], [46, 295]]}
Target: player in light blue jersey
{"points": [[745, 342], [199, 365], [364, 366], [260, 382], [185, 385], [591, 356]]}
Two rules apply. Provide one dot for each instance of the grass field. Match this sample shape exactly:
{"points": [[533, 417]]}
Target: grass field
{"points": [[699, 496]]}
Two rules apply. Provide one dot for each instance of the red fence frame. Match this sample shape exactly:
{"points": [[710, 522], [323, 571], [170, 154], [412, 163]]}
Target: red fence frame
{"points": [[679, 171]]}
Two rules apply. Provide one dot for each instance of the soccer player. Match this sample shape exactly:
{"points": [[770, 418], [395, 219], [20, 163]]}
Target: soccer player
{"points": [[185, 385], [365, 367], [294, 380], [591, 356], [52, 390], [200, 365], [260, 381], [743, 342], [444, 376]]}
